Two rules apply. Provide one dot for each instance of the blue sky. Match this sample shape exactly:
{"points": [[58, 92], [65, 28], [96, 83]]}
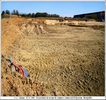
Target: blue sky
{"points": [[62, 8]]}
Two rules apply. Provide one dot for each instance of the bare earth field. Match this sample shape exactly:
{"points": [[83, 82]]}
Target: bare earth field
{"points": [[62, 60]]}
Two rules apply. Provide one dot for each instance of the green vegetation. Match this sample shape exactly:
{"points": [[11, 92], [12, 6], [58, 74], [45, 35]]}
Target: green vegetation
{"points": [[31, 15]]}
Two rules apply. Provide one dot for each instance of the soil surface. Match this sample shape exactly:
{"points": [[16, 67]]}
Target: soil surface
{"points": [[62, 60]]}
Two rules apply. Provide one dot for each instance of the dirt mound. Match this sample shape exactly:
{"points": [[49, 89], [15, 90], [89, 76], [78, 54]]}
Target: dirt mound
{"points": [[32, 28]]}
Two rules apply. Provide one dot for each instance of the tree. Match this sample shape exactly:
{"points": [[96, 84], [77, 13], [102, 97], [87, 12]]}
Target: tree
{"points": [[16, 12], [33, 15], [7, 12], [44, 14], [3, 12], [23, 15], [29, 15], [54, 15], [38, 14]]}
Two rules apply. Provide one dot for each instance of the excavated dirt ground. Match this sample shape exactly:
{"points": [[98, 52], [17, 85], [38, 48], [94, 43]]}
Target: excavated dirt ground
{"points": [[62, 60]]}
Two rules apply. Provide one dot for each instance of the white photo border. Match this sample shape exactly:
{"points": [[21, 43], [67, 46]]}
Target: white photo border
{"points": [[53, 97]]}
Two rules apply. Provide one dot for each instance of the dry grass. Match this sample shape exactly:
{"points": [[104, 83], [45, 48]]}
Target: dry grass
{"points": [[66, 61]]}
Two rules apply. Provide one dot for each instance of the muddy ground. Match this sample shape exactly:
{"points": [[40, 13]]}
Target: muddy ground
{"points": [[62, 60]]}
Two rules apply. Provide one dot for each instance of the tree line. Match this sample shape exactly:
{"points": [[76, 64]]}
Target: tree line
{"points": [[32, 15]]}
